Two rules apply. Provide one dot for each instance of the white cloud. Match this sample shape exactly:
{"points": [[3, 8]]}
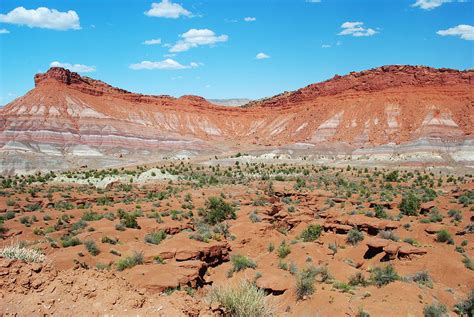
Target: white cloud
{"points": [[326, 45], [79, 68], [42, 17], [4, 31], [429, 4], [464, 31], [313, 1], [167, 64], [152, 42], [250, 19], [262, 56], [356, 29], [167, 9], [196, 37]]}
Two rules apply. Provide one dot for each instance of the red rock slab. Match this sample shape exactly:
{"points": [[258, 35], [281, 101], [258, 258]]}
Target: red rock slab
{"points": [[275, 281], [433, 228]]}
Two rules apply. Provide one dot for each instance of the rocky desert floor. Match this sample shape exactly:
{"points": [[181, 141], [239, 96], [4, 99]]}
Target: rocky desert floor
{"points": [[245, 239]]}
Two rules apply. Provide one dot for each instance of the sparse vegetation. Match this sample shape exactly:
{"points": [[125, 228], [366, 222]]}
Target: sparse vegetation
{"points": [[242, 300], [354, 236], [135, 259], [311, 233], [20, 252], [381, 276]]}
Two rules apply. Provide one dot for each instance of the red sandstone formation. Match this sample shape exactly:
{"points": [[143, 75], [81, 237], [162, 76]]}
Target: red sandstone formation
{"points": [[383, 112]]}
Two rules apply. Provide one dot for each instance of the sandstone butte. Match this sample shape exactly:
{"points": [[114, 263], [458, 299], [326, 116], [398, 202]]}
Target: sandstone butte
{"points": [[391, 114]]}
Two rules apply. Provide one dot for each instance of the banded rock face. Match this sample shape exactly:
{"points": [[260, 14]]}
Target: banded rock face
{"points": [[380, 113]]}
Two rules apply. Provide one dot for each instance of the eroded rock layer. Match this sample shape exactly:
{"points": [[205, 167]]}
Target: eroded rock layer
{"points": [[387, 113]]}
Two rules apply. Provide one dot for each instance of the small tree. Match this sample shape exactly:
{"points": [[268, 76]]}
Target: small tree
{"points": [[410, 204], [217, 210]]}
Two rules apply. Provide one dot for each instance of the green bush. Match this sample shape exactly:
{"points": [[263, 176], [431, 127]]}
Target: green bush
{"points": [[283, 250], [410, 204], [381, 276], [108, 240], [240, 263], [91, 247], [435, 310], [354, 236], [422, 278], [70, 241], [135, 259], [311, 233], [358, 279], [466, 307], [128, 219], [217, 210], [388, 235], [155, 237], [305, 282], [444, 236], [468, 263]]}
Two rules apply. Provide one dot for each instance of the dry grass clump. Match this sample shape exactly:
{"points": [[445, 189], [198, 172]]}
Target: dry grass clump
{"points": [[243, 300], [19, 252]]}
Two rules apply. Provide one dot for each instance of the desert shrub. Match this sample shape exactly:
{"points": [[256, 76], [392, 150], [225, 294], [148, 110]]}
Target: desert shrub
{"points": [[283, 250], [311, 233], [468, 263], [381, 276], [243, 300], [26, 220], [120, 227], [455, 214], [8, 215], [300, 183], [444, 236], [94, 216], [466, 307], [435, 216], [323, 274], [240, 263], [354, 236], [155, 237], [128, 219], [91, 247], [305, 282], [429, 194], [422, 278], [20, 252], [81, 224], [362, 313], [217, 210], [158, 259], [343, 287], [108, 240], [101, 266], [380, 212], [410, 204], [70, 241], [358, 279], [435, 310], [254, 217], [388, 235], [270, 247], [391, 177], [205, 232], [115, 252], [411, 241], [135, 259]]}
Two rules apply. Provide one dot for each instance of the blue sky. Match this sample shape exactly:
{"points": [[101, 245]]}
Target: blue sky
{"points": [[209, 48]]}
